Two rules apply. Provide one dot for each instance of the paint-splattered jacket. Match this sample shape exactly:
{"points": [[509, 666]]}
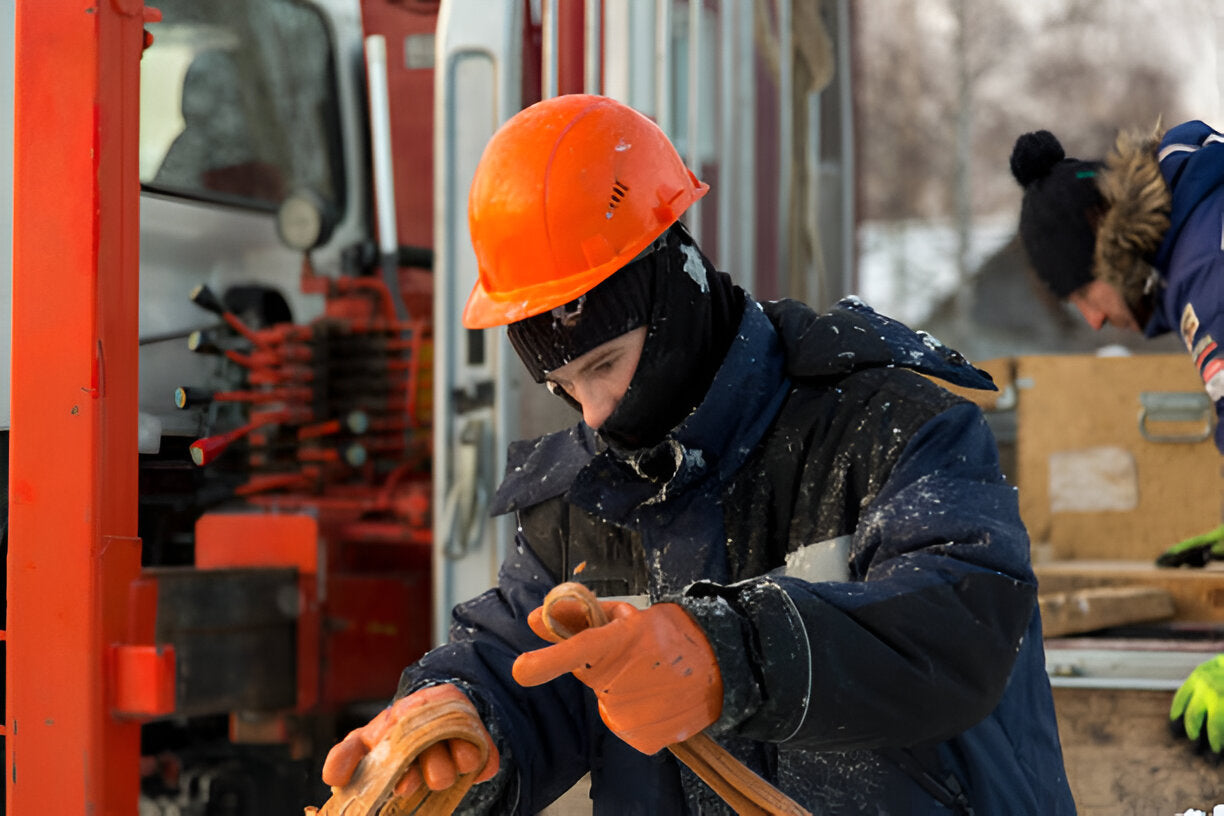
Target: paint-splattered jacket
{"points": [[913, 684]]}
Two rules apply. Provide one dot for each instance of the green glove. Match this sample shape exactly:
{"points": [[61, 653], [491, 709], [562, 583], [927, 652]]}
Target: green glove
{"points": [[1195, 551], [1200, 701]]}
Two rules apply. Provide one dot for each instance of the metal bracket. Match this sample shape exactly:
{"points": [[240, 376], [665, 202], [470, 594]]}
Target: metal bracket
{"points": [[1175, 406], [467, 500]]}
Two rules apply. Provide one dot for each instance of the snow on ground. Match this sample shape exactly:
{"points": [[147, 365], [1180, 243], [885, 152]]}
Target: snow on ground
{"points": [[906, 268]]}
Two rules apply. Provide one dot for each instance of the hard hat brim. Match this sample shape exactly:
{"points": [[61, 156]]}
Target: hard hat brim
{"points": [[483, 310]]}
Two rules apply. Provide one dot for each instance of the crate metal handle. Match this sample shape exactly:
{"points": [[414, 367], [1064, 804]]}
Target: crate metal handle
{"points": [[1175, 406]]}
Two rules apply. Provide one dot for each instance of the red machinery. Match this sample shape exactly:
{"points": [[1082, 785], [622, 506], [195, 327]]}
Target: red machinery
{"points": [[74, 556], [336, 440], [220, 681]]}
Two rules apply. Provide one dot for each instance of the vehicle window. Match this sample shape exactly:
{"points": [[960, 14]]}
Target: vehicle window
{"points": [[237, 103]]}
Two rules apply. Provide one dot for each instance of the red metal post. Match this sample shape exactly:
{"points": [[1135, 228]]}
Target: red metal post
{"points": [[73, 463]]}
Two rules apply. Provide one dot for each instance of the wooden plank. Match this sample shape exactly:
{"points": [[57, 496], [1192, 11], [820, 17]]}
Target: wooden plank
{"points": [[1198, 594], [1086, 610]]}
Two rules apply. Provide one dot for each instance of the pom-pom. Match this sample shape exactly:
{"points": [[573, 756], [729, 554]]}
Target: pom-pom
{"points": [[1034, 155]]}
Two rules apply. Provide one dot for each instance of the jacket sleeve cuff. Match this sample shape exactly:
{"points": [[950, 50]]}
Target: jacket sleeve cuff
{"points": [[766, 669], [730, 638]]}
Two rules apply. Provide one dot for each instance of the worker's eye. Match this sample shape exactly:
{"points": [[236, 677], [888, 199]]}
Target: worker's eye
{"points": [[605, 365]]}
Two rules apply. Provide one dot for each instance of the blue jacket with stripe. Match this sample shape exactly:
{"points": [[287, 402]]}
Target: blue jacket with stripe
{"points": [[905, 675], [1190, 258]]}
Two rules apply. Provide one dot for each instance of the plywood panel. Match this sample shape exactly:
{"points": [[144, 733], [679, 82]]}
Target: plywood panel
{"points": [[1003, 371], [1091, 486]]}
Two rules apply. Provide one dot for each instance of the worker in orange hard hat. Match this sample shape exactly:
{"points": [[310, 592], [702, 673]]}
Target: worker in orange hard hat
{"points": [[805, 548]]}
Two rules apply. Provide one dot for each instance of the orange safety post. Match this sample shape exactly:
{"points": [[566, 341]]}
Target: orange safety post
{"points": [[73, 551]]}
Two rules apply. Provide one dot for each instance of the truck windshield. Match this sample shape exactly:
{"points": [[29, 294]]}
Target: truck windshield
{"points": [[238, 103]]}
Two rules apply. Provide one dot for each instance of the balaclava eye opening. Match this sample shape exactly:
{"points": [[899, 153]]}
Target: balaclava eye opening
{"points": [[692, 313], [618, 304]]}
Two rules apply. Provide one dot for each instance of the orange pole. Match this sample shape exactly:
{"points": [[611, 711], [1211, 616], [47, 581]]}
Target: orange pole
{"points": [[73, 553]]}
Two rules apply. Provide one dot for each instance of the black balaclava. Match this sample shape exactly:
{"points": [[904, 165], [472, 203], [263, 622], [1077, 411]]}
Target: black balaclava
{"points": [[691, 312]]}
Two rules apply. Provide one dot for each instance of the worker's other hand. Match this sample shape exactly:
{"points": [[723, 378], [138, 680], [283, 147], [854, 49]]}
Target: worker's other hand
{"points": [[1195, 551], [652, 670], [438, 765], [1198, 706]]}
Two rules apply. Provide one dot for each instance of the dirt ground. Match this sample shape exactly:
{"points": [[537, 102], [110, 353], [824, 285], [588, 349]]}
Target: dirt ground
{"points": [[1122, 757], [577, 802]]}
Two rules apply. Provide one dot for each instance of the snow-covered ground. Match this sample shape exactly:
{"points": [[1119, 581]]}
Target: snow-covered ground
{"points": [[906, 268]]}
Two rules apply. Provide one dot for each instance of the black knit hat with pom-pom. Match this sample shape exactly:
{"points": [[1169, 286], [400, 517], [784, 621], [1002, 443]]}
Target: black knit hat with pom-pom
{"points": [[1061, 208]]}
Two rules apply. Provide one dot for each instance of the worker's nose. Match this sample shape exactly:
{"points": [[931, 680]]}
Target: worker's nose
{"points": [[1095, 318], [597, 405]]}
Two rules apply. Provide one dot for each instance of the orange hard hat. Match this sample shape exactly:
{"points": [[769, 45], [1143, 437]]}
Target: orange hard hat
{"points": [[567, 192]]}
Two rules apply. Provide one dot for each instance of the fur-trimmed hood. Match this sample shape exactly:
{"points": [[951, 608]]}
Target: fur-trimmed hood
{"points": [[1136, 217]]}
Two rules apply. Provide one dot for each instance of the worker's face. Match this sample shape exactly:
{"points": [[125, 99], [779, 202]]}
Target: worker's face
{"points": [[1101, 303], [598, 379]]}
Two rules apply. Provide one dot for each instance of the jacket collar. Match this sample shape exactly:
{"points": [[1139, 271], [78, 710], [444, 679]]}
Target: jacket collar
{"points": [[852, 336]]}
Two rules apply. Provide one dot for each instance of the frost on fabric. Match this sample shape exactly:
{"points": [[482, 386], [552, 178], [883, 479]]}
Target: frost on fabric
{"points": [[566, 315], [930, 341], [923, 517], [694, 267], [657, 574], [937, 346], [818, 779]]}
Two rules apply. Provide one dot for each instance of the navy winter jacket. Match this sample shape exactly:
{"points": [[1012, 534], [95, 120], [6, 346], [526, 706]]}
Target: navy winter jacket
{"points": [[1190, 258], [904, 677]]}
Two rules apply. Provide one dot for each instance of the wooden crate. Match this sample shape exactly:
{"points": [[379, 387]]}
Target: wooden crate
{"points": [[1091, 485]]}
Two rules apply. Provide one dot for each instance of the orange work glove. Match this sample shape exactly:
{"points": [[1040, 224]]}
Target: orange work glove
{"points": [[652, 670], [438, 765]]}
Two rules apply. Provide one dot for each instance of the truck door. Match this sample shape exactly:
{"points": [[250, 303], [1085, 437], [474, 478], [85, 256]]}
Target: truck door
{"points": [[477, 87], [704, 75]]}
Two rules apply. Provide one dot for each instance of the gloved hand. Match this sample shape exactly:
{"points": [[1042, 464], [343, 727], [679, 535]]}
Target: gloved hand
{"points": [[1195, 551], [1200, 701], [438, 765], [652, 670]]}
